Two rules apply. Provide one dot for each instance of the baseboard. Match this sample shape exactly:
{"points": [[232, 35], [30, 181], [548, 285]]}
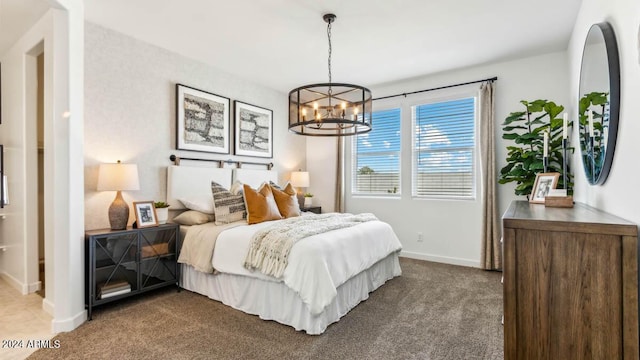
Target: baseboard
{"points": [[69, 324], [441, 259], [48, 307], [15, 283]]}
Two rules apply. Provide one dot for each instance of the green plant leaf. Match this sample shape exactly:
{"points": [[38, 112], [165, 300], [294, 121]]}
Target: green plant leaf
{"points": [[524, 161], [511, 128], [514, 116], [510, 136]]}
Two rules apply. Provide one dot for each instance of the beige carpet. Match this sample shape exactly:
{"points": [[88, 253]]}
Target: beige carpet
{"points": [[433, 311]]}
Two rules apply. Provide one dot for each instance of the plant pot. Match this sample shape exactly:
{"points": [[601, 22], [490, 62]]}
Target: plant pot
{"points": [[308, 201], [163, 215]]}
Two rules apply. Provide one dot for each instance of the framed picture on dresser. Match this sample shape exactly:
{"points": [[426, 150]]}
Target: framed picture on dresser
{"points": [[543, 183], [253, 130]]}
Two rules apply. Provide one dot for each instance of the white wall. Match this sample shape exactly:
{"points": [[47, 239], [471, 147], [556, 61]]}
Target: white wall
{"points": [[130, 114], [451, 228], [58, 32], [618, 195], [19, 138]]}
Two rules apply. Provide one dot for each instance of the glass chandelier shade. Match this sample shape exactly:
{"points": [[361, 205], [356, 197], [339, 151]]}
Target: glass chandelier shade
{"points": [[330, 109]]}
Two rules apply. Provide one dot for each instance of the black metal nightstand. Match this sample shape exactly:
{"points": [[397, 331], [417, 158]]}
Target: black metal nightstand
{"points": [[313, 209], [122, 263]]}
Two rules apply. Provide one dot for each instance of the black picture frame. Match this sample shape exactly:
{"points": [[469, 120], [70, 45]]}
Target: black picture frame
{"points": [[202, 121], [253, 129]]}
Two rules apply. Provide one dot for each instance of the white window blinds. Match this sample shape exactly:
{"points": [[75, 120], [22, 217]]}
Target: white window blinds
{"points": [[444, 149], [376, 156]]}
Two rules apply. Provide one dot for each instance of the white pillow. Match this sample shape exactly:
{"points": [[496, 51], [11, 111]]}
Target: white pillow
{"points": [[236, 188], [202, 203], [193, 217]]}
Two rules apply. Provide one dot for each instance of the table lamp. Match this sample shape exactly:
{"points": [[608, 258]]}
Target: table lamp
{"points": [[118, 177], [300, 179]]}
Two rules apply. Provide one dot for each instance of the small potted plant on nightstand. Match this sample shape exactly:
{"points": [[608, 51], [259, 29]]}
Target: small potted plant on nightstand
{"points": [[308, 197], [162, 211]]}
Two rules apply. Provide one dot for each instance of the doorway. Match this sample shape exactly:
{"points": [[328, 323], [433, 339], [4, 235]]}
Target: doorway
{"points": [[40, 130], [35, 160]]}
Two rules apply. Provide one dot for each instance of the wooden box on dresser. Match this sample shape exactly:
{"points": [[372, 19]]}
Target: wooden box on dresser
{"points": [[570, 283]]}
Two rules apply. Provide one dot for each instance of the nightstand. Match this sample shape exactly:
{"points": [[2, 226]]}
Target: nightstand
{"points": [[313, 209], [123, 263]]}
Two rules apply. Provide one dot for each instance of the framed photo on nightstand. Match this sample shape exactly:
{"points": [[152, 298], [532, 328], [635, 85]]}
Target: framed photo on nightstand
{"points": [[145, 214]]}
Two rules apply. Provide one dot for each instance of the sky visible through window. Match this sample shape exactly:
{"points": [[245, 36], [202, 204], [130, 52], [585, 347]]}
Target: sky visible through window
{"points": [[379, 149], [444, 136]]}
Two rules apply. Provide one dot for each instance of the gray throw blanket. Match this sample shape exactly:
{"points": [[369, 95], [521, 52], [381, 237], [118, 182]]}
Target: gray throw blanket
{"points": [[270, 247]]}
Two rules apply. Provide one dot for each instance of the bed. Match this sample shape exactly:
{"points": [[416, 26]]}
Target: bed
{"points": [[327, 274]]}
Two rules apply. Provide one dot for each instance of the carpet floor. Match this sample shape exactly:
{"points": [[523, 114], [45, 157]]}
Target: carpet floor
{"points": [[433, 311]]}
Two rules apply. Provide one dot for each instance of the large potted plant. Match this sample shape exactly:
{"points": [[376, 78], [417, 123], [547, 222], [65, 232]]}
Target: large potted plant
{"points": [[526, 129]]}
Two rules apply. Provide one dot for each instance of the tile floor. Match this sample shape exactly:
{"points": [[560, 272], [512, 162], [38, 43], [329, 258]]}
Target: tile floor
{"points": [[21, 318]]}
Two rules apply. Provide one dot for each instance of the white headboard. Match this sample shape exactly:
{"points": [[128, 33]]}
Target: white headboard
{"points": [[254, 177], [188, 181]]}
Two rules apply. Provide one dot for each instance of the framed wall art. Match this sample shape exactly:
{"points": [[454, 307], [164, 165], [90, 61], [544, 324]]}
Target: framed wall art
{"points": [[544, 182], [253, 130], [145, 214], [202, 121]]}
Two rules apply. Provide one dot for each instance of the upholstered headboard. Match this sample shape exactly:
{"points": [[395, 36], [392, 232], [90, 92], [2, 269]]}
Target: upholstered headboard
{"points": [[189, 181], [254, 177]]}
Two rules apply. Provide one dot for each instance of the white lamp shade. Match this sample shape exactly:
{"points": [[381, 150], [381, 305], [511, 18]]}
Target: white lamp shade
{"points": [[116, 177], [300, 179]]}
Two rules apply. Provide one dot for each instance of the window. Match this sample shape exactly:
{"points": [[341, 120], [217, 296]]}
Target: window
{"points": [[444, 149], [376, 156]]}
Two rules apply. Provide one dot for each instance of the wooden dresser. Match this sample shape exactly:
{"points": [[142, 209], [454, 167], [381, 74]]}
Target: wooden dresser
{"points": [[570, 284]]}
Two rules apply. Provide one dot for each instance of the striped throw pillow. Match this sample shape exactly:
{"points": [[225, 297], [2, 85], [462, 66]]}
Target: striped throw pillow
{"points": [[227, 206]]}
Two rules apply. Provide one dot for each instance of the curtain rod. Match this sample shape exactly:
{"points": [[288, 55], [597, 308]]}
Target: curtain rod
{"points": [[176, 160], [437, 88]]}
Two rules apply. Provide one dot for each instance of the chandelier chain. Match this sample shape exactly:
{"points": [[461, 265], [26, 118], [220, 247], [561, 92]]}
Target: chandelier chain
{"points": [[329, 59]]}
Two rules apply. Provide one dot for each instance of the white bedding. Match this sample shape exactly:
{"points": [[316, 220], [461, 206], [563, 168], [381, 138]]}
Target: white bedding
{"points": [[319, 264], [272, 300]]}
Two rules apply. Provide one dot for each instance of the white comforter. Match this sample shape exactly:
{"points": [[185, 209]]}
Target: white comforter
{"points": [[317, 264]]}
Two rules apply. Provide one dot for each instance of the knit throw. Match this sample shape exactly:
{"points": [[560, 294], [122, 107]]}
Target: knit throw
{"points": [[270, 247]]}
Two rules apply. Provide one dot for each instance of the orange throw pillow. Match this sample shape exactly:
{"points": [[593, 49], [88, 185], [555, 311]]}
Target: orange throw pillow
{"points": [[261, 206], [287, 201]]}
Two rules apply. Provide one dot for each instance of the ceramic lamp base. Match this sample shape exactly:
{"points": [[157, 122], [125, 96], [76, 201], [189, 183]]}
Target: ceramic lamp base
{"points": [[118, 213]]}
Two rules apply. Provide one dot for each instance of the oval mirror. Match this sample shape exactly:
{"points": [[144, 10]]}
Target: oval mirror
{"points": [[599, 102]]}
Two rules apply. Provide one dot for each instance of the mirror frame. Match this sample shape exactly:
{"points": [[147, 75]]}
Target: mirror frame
{"points": [[613, 62]]}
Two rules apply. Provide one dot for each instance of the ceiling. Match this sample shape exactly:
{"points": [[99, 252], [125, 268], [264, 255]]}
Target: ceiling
{"points": [[16, 17], [282, 44]]}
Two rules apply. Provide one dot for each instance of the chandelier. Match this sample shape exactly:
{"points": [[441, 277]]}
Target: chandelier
{"points": [[330, 109]]}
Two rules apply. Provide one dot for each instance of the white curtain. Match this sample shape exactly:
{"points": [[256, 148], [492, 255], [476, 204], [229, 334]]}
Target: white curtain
{"points": [[491, 249]]}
